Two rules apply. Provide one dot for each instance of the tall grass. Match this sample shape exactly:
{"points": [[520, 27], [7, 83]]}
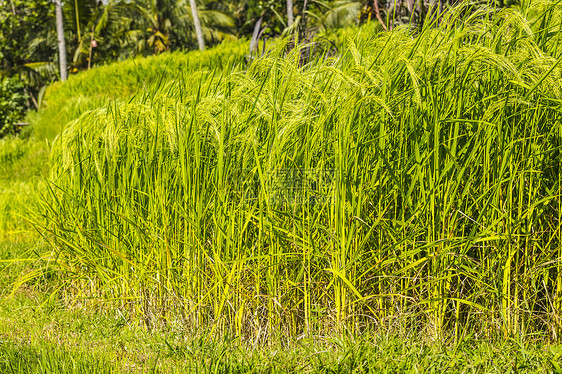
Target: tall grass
{"points": [[413, 178]]}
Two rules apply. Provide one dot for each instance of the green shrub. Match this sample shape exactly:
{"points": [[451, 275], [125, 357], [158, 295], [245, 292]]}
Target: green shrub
{"points": [[13, 102]]}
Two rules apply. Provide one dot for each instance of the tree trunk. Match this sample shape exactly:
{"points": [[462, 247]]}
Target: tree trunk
{"points": [[60, 37], [378, 14], [197, 25], [290, 16], [77, 19], [91, 48], [302, 25], [255, 36], [304, 14]]}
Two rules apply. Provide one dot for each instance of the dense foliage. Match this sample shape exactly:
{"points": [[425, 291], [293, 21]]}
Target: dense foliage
{"points": [[19, 28], [13, 101], [27, 42]]}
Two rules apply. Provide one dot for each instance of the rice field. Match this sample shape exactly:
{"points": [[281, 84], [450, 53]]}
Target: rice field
{"points": [[24, 159], [409, 182], [64, 102]]}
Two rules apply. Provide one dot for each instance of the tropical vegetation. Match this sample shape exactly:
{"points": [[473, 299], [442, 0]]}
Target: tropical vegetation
{"points": [[260, 190], [12, 104]]}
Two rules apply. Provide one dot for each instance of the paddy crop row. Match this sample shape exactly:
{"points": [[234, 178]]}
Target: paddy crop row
{"points": [[410, 180]]}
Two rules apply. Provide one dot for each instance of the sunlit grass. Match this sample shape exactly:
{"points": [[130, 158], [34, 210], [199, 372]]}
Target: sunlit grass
{"points": [[437, 205], [24, 159]]}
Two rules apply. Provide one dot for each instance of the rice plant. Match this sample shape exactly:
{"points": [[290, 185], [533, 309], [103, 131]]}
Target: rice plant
{"points": [[413, 178]]}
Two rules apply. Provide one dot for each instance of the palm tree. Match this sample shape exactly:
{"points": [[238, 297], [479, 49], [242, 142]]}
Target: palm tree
{"points": [[60, 37], [197, 25], [105, 25], [171, 24], [290, 16], [334, 14]]}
